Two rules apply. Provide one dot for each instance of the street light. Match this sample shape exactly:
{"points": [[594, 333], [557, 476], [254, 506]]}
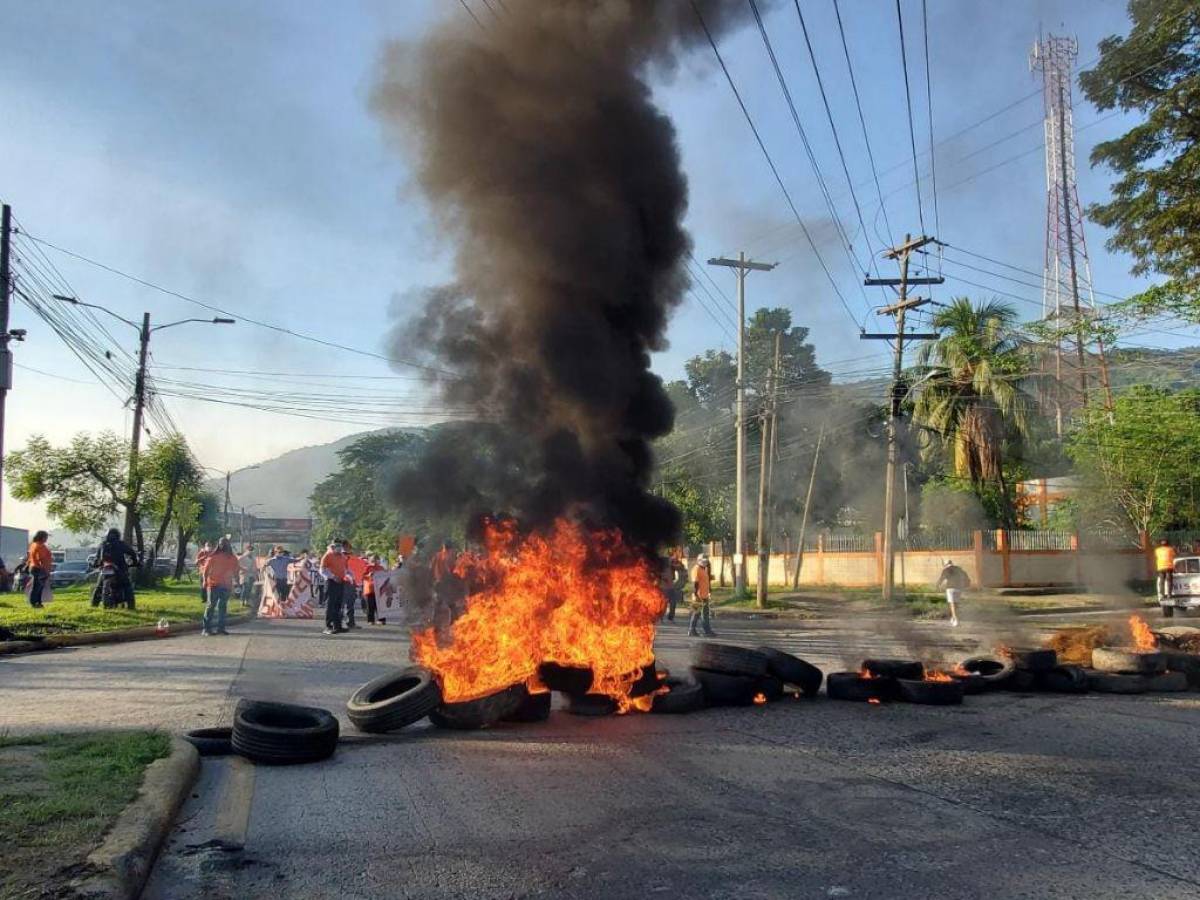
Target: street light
{"points": [[228, 475], [139, 392]]}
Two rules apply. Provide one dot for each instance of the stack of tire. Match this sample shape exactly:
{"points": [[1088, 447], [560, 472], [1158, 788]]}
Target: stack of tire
{"points": [[1121, 671], [729, 675], [272, 733], [896, 679]]}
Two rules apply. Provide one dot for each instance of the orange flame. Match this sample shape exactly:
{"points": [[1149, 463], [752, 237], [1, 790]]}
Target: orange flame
{"points": [[864, 672], [936, 675], [1143, 637], [959, 670], [573, 596], [874, 701], [760, 698]]}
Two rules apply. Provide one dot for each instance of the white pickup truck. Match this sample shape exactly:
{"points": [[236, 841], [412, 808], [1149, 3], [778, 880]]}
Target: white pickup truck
{"points": [[1185, 586]]}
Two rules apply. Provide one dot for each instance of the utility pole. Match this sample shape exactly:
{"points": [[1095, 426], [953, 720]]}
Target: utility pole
{"points": [[225, 526], [742, 267], [812, 479], [139, 405], [5, 353], [767, 439], [901, 255]]}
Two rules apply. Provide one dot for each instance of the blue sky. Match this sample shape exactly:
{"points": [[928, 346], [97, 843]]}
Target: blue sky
{"points": [[225, 150]]}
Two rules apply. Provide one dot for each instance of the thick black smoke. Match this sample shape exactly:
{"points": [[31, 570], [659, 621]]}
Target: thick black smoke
{"points": [[537, 144]]}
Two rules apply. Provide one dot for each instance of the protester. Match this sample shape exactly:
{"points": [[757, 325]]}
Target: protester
{"points": [[277, 567], [701, 597], [118, 554], [335, 572], [373, 566], [351, 590], [220, 573], [247, 574], [1164, 566], [955, 581], [671, 585], [40, 563], [201, 555]]}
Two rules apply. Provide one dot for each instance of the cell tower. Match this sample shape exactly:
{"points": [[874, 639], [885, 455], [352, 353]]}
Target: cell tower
{"points": [[1067, 296]]}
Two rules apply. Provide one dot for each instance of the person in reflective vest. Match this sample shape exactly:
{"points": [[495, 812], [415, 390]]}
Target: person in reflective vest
{"points": [[1164, 565]]}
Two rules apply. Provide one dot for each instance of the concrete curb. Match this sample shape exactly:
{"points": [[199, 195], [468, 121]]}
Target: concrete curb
{"points": [[125, 635], [123, 860]]}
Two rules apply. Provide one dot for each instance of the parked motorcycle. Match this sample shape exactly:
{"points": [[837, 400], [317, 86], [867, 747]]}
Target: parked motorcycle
{"points": [[114, 588]]}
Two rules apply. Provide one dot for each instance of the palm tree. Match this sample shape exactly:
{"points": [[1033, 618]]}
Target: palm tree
{"points": [[970, 393]]}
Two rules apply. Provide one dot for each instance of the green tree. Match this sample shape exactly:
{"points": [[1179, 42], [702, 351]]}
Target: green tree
{"points": [[706, 507], [1154, 212], [969, 389], [82, 484], [197, 518], [1141, 468], [169, 474]]}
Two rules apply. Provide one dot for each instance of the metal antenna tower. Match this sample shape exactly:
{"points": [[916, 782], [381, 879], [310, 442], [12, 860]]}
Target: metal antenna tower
{"points": [[1067, 296]]}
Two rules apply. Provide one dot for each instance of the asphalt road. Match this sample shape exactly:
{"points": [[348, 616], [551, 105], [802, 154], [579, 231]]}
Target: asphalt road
{"points": [[1006, 796]]}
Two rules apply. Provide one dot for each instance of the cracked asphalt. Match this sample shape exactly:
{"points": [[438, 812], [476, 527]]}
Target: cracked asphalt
{"points": [[1037, 796]]}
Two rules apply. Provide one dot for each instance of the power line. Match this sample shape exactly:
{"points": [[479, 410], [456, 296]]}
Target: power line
{"points": [[471, 13], [937, 222], [912, 135]]}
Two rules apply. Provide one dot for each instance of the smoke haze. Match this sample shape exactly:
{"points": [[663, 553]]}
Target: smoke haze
{"points": [[536, 142]]}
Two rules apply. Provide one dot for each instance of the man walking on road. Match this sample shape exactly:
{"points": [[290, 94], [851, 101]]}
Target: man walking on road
{"points": [[220, 572], [1164, 566], [701, 596], [277, 566], [955, 581], [335, 573]]}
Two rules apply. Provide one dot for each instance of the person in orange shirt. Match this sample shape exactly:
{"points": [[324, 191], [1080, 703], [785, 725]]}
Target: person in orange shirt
{"points": [[220, 571], [40, 563], [373, 566], [701, 597], [336, 572]]}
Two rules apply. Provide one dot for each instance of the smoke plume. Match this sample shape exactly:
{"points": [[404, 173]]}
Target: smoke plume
{"points": [[537, 144]]}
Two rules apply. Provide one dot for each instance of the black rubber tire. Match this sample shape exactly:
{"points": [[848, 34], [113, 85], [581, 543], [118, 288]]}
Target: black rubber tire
{"points": [[793, 670], [591, 705], [930, 693], [1188, 663], [973, 683], [771, 688], [480, 713], [211, 741], [725, 689], [851, 686], [1128, 662], [729, 659], [1064, 680], [565, 679], [1036, 660], [1168, 612], [283, 733], [1021, 680], [1167, 682], [1115, 683], [994, 671], [684, 695], [646, 682], [394, 700], [533, 708], [895, 668]]}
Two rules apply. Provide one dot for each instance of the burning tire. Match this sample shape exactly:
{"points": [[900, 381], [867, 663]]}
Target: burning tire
{"points": [[591, 705], [972, 682], [793, 670], [852, 686], [1036, 660], [646, 682], [1114, 683], [282, 733], [683, 696], [730, 660], [771, 688], [565, 679], [894, 668], [931, 693], [1064, 680], [1022, 681], [1129, 662], [725, 689], [533, 708], [994, 672], [211, 741], [394, 700], [480, 713], [1168, 682]]}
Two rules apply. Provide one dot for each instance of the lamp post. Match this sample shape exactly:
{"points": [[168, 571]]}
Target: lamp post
{"points": [[139, 395]]}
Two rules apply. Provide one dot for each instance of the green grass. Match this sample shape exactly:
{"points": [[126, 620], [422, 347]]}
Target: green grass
{"points": [[71, 610], [58, 795]]}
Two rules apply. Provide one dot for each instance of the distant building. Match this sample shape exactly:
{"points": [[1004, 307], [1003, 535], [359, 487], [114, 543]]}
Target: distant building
{"points": [[295, 534]]}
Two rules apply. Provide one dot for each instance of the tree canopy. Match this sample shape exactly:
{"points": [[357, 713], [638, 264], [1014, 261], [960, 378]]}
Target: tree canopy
{"points": [[82, 484], [1154, 212]]}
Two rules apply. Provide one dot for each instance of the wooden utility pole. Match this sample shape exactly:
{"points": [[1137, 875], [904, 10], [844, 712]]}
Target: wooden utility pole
{"points": [[5, 353], [139, 406], [742, 267], [901, 255], [764, 480], [812, 478]]}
